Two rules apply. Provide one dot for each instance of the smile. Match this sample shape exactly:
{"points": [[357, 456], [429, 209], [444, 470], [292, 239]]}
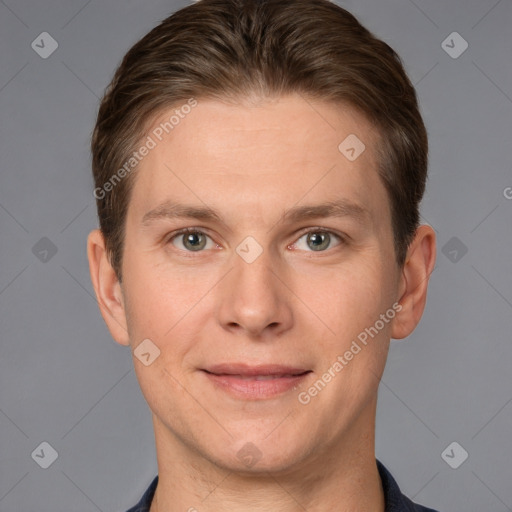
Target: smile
{"points": [[256, 382]]}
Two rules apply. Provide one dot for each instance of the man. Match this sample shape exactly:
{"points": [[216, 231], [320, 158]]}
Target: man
{"points": [[258, 168]]}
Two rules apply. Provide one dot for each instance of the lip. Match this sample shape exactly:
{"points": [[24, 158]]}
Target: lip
{"points": [[249, 370], [255, 382]]}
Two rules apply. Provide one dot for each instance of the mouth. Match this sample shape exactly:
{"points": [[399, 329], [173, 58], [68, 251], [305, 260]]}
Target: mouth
{"points": [[255, 382]]}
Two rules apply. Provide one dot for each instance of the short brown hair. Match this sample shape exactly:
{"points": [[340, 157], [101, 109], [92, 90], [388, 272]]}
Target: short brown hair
{"points": [[234, 49]]}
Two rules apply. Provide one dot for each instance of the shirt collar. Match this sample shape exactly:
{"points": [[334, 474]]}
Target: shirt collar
{"points": [[394, 499]]}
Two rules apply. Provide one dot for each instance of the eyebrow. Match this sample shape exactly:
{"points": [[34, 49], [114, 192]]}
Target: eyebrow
{"points": [[338, 208], [172, 210]]}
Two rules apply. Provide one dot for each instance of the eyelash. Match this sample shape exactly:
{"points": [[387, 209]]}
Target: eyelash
{"points": [[342, 238]]}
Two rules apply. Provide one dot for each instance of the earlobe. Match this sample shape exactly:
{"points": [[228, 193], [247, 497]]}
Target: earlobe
{"points": [[418, 266], [107, 288]]}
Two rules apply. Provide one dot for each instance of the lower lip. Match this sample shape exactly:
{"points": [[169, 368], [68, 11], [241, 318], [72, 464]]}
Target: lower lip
{"points": [[252, 389]]}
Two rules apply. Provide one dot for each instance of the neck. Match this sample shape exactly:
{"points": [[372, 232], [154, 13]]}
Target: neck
{"points": [[341, 477]]}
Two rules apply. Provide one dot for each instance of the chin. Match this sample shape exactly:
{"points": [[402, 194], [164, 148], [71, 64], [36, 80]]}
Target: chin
{"points": [[259, 457]]}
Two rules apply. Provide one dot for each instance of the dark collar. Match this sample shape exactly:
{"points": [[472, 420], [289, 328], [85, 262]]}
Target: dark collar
{"points": [[394, 499]]}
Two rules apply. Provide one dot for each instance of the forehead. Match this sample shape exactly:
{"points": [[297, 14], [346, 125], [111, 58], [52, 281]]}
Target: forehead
{"points": [[259, 156]]}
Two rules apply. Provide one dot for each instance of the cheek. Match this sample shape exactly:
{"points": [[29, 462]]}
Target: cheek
{"points": [[156, 298], [168, 307], [348, 300], [148, 307]]}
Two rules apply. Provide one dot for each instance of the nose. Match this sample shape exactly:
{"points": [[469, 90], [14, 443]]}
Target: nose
{"points": [[254, 300]]}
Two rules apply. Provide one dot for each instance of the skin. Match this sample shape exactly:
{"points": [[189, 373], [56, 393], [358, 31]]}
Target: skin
{"points": [[292, 305]]}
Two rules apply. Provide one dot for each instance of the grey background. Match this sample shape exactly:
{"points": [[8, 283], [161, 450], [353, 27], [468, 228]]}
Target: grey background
{"points": [[64, 381]]}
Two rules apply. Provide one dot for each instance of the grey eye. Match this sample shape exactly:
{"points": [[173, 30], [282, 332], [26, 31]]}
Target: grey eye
{"points": [[191, 241], [194, 241], [317, 241]]}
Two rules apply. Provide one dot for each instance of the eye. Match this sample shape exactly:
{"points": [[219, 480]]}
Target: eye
{"points": [[191, 240], [317, 241]]}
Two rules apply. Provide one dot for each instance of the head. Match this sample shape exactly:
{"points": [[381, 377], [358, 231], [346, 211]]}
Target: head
{"points": [[287, 139]]}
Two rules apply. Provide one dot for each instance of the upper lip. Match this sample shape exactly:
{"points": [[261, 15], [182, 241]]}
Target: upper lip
{"points": [[248, 370]]}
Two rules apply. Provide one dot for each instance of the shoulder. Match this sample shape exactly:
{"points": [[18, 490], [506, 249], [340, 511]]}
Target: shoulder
{"points": [[395, 500], [145, 502]]}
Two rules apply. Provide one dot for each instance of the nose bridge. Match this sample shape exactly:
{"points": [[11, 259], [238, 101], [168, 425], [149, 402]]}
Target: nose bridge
{"points": [[256, 274], [253, 297]]}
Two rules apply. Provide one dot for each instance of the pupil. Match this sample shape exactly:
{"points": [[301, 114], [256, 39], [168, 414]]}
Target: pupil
{"points": [[194, 242], [319, 241]]}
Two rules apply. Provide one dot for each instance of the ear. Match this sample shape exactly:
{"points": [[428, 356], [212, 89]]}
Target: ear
{"points": [[419, 264], [107, 287]]}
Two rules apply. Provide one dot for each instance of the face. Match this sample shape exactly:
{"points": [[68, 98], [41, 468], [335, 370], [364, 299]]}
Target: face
{"points": [[260, 309]]}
